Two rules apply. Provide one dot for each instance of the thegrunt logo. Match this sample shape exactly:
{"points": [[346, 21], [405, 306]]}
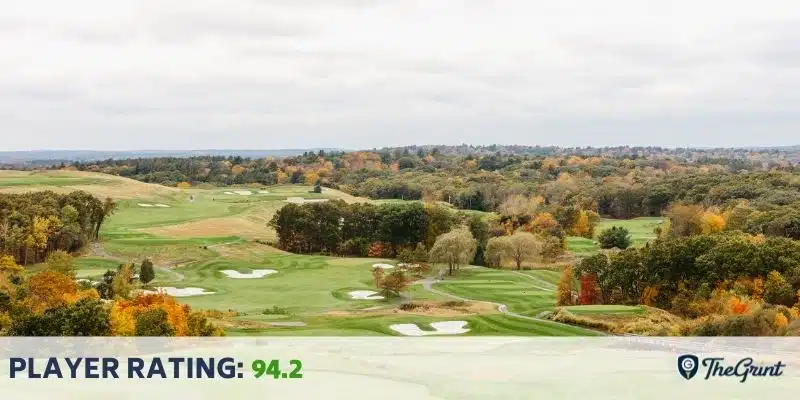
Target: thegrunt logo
{"points": [[689, 365]]}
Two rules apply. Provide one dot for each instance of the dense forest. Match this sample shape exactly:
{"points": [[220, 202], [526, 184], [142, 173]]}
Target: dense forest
{"points": [[762, 187], [34, 224]]}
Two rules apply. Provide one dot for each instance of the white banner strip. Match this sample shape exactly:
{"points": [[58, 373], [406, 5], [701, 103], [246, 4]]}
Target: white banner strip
{"points": [[399, 368]]}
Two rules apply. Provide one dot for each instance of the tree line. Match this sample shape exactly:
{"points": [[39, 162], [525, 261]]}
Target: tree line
{"points": [[616, 182], [35, 224], [727, 283], [335, 227]]}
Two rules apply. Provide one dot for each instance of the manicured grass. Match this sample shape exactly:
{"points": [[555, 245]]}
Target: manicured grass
{"points": [[581, 247], [478, 325], [85, 267], [160, 250], [522, 294], [641, 230], [303, 284], [94, 267], [130, 215], [45, 180]]}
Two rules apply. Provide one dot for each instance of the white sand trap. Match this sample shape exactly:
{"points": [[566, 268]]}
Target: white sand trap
{"points": [[243, 192], [145, 205], [93, 283], [441, 328], [183, 292], [364, 295], [229, 193], [289, 323], [162, 205], [382, 266], [263, 191], [300, 200], [256, 273]]}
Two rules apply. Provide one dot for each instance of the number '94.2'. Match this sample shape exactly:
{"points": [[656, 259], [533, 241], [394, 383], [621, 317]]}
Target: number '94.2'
{"points": [[264, 368]]}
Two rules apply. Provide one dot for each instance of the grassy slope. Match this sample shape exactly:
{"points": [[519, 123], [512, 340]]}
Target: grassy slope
{"points": [[527, 295], [641, 230]]}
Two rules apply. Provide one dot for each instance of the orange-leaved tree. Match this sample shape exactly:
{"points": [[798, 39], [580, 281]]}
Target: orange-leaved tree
{"points": [[125, 312]]}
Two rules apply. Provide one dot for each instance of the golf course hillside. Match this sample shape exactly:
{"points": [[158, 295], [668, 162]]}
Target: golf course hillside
{"points": [[577, 246], [212, 249]]}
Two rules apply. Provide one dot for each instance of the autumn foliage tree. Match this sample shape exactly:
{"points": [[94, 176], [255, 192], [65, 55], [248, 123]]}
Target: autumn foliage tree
{"points": [[585, 224], [777, 290], [50, 289], [454, 249], [126, 321], [589, 289], [712, 222], [497, 249], [565, 291], [524, 247], [390, 285], [62, 262]]}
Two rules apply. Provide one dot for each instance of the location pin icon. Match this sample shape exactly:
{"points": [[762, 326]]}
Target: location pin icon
{"points": [[688, 365]]}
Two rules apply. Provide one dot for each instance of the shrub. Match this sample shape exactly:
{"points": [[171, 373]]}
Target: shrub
{"points": [[154, 322], [777, 290], [614, 237], [275, 310], [564, 316], [146, 272], [409, 306]]}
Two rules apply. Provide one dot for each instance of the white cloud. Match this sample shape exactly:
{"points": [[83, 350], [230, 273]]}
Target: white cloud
{"points": [[358, 73]]}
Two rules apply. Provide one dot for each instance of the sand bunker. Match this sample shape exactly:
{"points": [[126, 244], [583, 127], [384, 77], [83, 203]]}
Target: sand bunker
{"points": [[162, 205], [182, 292], [93, 283], [289, 323], [243, 192], [145, 205], [229, 193], [364, 295], [441, 328], [382, 266], [256, 273], [300, 200], [263, 191]]}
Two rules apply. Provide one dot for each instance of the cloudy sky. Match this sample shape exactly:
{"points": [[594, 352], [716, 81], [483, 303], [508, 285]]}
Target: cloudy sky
{"points": [[154, 74]]}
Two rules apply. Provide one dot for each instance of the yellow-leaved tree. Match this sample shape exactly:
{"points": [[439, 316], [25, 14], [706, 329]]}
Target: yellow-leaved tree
{"points": [[712, 222], [565, 289]]}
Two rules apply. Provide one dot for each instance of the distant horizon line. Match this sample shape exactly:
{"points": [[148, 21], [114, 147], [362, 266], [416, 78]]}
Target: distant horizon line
{"points": [[156, 150]]}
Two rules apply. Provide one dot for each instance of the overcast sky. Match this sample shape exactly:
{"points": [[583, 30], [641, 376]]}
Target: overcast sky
{"points": [[139, 74]]}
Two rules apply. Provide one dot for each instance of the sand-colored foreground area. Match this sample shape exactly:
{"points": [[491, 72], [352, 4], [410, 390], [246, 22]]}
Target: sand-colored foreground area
{"points": [[254, 274], [364, 295], [179, 292], [441, 328]]}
